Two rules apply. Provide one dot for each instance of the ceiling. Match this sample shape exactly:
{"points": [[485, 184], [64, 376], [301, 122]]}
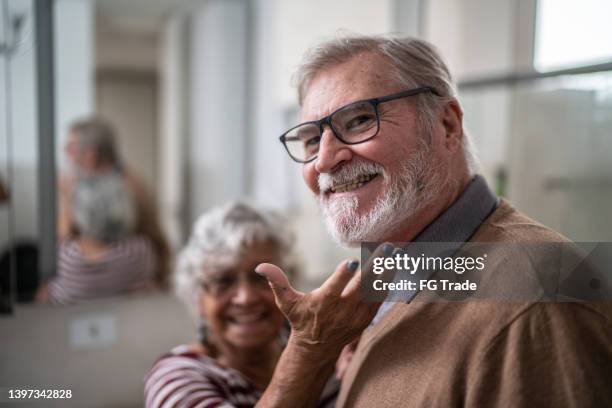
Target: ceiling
{"points": [[136, 16], [127, 32]]}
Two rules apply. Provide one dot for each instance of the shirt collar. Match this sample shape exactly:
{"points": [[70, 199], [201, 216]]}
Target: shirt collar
{"points": [[461, 220]]}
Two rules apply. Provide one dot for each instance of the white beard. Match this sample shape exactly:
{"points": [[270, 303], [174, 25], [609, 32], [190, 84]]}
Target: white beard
{"points": [[404, 195]]}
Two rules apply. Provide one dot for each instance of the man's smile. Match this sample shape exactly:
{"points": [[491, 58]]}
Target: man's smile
{"points": [[352, 185]]}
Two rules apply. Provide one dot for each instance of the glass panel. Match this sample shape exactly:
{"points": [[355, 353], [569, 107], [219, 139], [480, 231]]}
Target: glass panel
{"points": [[551, 140], [19, 157], [570, 33]]}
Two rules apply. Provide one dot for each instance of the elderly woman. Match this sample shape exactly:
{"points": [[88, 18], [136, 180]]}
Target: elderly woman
{"points": [[242, 332], [104, 257], [92, 150]]}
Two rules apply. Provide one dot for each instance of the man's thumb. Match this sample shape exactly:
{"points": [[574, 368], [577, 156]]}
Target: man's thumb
{"points": [[284, 294]]}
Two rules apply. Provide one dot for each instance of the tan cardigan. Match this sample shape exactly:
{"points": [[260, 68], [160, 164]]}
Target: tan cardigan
{"points": [[486, 354]]}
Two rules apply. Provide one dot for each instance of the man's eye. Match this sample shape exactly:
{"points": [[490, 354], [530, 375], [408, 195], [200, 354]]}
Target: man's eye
{"points": [[360, 122], [313, 141]]}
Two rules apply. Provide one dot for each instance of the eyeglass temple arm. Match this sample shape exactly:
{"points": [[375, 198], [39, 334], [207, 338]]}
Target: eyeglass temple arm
{"points": [[407, 93]]}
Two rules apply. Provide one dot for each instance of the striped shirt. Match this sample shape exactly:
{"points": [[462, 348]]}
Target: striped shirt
{"points": [[127, 265], [186, 379]]}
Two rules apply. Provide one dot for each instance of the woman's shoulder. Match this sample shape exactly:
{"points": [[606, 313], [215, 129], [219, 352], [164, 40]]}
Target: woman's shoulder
{"points": [[70, 253], [185, 371], [196, 359], [190, 352]]}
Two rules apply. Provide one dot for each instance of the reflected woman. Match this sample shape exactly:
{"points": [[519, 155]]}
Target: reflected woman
{"points": [[242, 331], [91, 150], [104, 257]]}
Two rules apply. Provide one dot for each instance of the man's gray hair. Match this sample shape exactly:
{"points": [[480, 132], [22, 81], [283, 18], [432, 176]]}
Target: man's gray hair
{"points": [[103, 207], [98, 135], [412, 63], [226, 232]]}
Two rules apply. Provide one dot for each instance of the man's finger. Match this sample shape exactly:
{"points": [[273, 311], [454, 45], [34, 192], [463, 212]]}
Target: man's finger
{"points": [[367, 274], [341, 276], [284, 294]]}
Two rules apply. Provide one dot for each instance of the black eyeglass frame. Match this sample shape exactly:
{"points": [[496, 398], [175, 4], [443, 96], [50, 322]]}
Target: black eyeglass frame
{"points": [[374, 102]]}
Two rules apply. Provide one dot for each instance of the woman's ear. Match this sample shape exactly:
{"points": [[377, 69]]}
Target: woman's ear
{"points": [[200, 304]]}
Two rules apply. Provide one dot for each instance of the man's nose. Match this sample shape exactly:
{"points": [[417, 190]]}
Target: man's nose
{"points": [[331, 151]]}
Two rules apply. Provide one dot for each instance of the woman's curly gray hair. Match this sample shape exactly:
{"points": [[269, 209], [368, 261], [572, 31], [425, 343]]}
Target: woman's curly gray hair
{"points": [[228, 231], [103, 208]]}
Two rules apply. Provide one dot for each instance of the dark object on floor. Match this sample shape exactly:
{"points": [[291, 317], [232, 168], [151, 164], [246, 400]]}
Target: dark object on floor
{"points": [[26, 266]]}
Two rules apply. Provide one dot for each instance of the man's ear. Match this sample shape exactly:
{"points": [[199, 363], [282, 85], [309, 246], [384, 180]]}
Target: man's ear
{"points": [[452, 120]]}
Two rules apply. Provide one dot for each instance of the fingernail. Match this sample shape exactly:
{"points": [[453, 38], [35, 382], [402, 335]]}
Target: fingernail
{"points": [[397, 251], [387, 249], [260, 273], [352, 266]]}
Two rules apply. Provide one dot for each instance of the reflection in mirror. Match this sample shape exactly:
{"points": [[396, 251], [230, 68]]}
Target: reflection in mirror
{"points": [[115, 316], [101, 252], [106, 86], [110, 239]]}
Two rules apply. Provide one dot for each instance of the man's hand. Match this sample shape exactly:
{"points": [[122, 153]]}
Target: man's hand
{"points": [[322, 323], [331, 316]]}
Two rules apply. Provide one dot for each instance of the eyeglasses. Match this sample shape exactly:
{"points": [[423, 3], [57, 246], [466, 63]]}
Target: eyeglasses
{"points": [[225, 284], [352, 124]]}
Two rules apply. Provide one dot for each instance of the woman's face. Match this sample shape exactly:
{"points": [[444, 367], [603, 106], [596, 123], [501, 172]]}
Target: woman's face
{"points": [[238, 304]]}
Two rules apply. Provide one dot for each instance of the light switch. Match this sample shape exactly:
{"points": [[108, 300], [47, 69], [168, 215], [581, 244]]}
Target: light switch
{"points": [[93, 331]]}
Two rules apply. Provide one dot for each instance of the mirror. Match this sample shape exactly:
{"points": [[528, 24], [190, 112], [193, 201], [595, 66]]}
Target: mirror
{"points": [[107, 151]]}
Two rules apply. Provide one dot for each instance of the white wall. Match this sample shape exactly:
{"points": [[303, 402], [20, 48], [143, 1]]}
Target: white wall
{"points": [[173, 127], [74, 66], [129, 102], [475, 36], [217, 169], [302, 24]]}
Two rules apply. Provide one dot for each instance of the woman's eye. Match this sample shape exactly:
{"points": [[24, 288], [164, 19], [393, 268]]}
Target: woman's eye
{"points": [[259, 279], [220, 284], [225, 282]]}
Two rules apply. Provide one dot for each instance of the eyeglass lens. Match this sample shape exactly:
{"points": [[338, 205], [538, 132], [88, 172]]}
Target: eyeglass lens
{"points": [[352, 124]]}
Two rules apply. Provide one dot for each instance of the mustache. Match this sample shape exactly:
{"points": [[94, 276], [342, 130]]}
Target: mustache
{"points": [[349, 172]]}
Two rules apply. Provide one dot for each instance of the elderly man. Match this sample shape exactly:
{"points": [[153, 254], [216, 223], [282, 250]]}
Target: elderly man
{"points": [[385, 153]]}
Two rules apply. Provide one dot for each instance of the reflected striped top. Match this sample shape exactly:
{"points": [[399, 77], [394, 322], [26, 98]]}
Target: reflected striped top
{"points": [[127, 265], [186, 379]]}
